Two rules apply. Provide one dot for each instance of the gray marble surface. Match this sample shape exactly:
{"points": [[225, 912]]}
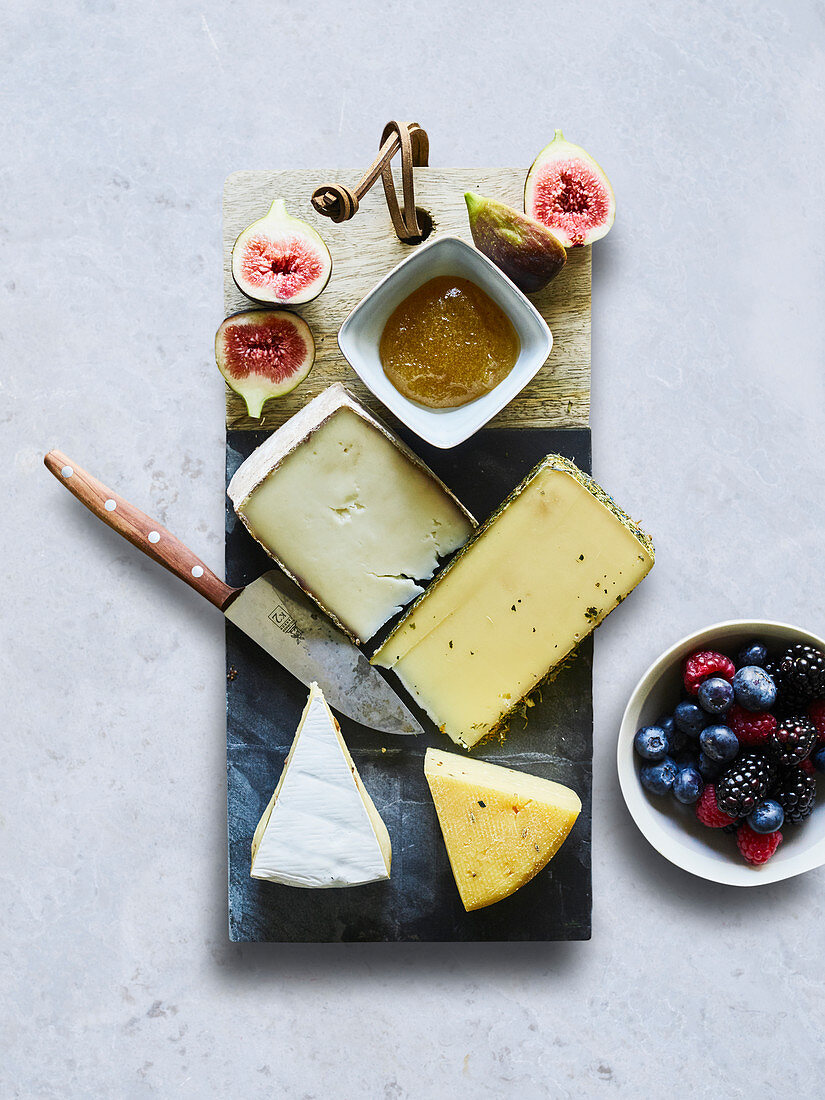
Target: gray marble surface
{"points": [[118, 124]]}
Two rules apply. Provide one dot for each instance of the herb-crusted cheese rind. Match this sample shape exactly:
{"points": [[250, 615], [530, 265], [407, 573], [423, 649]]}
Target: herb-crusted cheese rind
{"points": [[538, 576], [348, 511]]}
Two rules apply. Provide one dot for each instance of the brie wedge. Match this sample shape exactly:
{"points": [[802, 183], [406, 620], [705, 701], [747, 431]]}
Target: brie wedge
{"points": [[320, 828]]}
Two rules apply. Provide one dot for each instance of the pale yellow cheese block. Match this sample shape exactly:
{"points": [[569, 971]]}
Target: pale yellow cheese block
{"points": [[500, 826], [533, 581], [348, 511]]}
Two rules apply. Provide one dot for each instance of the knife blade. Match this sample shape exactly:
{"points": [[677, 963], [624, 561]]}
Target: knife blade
{"points": [[276, 614], [271, 610]]}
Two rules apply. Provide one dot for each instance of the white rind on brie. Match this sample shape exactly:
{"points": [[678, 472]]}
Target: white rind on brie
{"points": [[320, 829]]}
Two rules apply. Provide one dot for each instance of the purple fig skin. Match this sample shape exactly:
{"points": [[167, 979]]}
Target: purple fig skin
{"points": [[526, 251]]}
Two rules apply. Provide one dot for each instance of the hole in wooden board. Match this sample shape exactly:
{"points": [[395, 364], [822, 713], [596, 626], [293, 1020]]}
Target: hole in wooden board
{"points": [[425, 224]]}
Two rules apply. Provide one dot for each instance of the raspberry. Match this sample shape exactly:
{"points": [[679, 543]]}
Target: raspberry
{"points": [[699, 666], [757, 848], [750, 728], [816, 713], [807, 766], [709, 813]]}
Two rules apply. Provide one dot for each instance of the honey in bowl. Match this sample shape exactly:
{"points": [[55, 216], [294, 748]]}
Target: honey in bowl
{"points": [[448, 343]]}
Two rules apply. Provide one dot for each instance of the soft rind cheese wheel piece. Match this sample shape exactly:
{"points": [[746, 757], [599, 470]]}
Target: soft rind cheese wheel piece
{"points": [[348, 511], [321, 828], [535, 579], [500, 827]]}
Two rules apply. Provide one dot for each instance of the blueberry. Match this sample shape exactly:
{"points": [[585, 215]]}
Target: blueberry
{"points": [[719, 743], [715, 695], [651, 743], [767, 817], [688, 785], [658, 778], [690, 718], [818, 759], [754, 689], [686, 758], [754, 653], [708, 769], [676, 739]]}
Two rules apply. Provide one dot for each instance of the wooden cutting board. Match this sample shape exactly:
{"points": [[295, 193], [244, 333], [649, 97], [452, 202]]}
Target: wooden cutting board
{"points": [[264, 703], [366, 248]]}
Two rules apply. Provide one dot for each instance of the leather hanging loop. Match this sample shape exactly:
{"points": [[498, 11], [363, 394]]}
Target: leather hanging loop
{"points": [[335, 201], [406, 223], [339, 203]]}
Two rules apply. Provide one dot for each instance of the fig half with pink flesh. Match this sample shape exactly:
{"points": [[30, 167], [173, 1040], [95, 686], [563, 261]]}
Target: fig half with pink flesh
{"points": [[281, 260], [264, 353], [526, 251], [567, 191]]}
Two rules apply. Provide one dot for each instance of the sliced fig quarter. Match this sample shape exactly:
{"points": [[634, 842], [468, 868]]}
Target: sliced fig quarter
{"points": [[281, 260], [264, 353], [526, 251], [567, 191]]}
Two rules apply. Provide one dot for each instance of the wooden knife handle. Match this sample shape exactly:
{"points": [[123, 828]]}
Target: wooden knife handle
{"points": [[155, 541]]}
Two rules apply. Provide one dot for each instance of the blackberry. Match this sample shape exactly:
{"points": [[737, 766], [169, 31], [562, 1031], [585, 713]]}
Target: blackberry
{"points": [[800, 675], [796, 795], [793, 740], [746, 782]]}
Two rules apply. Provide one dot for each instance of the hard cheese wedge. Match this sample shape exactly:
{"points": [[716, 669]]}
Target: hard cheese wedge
{"points": [[348, 511], [500, 826], [555, 559], [320, 828]]}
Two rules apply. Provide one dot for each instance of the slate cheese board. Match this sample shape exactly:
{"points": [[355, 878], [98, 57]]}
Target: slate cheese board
{"points": [[420, 901], [264, 703]]}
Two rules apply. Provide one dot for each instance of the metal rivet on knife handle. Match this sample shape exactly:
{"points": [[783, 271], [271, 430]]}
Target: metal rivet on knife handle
{"points": [[144, 533]]}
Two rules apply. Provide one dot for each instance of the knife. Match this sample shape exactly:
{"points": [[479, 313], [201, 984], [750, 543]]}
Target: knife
{"points": [[272, 610]]}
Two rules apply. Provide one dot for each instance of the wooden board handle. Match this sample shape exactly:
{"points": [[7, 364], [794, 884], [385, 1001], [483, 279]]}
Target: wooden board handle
{"points": [[155, 541]]}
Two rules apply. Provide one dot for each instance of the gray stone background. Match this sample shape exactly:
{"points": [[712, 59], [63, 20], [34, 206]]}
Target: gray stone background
{"points": [[119, 123]]}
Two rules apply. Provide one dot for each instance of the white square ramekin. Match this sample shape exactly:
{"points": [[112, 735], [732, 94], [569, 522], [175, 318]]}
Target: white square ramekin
{"points": [[360, 335]]}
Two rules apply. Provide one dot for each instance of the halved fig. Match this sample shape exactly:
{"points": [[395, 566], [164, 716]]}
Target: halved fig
{"points": [[569, 193], [526, 251], [264, 353], [280, 259]]}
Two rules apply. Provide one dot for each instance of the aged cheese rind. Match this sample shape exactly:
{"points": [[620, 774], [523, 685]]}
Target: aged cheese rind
{"points": [[538, 576], [500, 826], [348, 511], [321, 828]]}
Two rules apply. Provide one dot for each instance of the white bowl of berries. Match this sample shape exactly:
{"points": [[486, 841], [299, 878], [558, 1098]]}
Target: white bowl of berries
{"points": [[721, 750]]}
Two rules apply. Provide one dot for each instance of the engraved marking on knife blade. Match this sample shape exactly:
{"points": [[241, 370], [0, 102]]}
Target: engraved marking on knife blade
{"points": [[284, 621]]}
